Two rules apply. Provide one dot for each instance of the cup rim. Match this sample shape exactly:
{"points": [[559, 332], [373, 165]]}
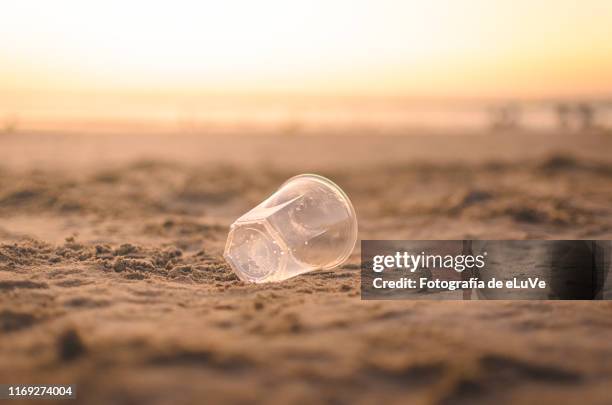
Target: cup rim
{"points": [[354, 225]]}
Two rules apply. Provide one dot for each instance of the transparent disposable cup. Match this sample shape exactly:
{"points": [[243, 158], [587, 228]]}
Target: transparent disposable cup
{"points": [[309, 223]]}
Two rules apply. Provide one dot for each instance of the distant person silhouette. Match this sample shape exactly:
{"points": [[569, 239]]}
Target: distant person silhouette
{"points": [[506, 117], [586, 115], [563, 116]]}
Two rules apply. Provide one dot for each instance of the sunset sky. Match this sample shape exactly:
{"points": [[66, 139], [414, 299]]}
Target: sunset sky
{"points": [[461, 48]]}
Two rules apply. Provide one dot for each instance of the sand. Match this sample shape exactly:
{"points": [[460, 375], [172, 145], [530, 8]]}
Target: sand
{"points": [[111, 274]]}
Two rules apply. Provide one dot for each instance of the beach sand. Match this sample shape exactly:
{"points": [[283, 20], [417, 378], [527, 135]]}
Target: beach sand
{"points": [[111, 275]]}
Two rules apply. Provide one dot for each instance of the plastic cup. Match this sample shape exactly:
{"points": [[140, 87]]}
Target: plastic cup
{"points": [[309, 223]]}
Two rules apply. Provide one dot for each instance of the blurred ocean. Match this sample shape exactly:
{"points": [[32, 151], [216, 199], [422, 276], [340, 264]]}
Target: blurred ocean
{"points": [[292, 115]]}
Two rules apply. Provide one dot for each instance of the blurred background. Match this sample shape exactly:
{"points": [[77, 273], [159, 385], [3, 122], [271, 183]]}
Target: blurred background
{"points": [[300, 67]]}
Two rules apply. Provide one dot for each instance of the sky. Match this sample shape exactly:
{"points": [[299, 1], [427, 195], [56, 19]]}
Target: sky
{"points": [[434, 48]]}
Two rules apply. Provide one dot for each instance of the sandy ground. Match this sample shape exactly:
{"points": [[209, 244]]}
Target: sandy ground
{"points": [[111, 274]]}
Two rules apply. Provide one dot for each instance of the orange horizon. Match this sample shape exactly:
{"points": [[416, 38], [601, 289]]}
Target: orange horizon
{"points": [[439, 49]]}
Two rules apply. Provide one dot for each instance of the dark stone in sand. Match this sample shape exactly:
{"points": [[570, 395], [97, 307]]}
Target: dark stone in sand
{"points": [[70, 346]]}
